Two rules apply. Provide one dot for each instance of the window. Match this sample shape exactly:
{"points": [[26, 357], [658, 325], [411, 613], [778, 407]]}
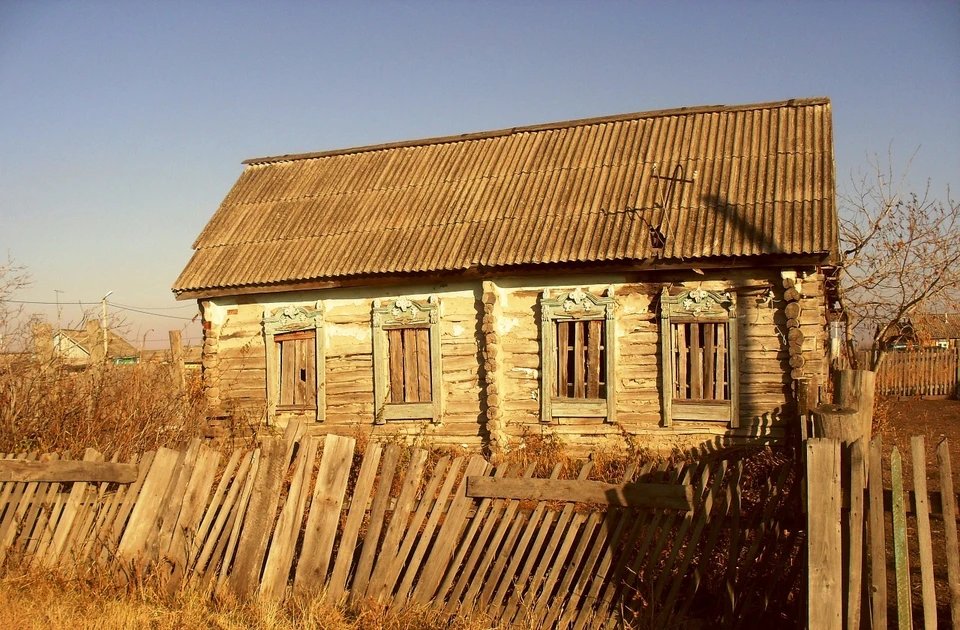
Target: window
{"points": [[294, 352], [698, 335], [406, 355], [298, 369], [577, 341]]}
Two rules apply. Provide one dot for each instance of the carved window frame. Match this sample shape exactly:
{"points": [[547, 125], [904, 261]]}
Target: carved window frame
{"points": [[293, 319], [576, 305], [405, 313], [699, 306]]}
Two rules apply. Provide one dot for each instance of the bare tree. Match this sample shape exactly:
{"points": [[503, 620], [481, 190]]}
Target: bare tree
{"points": [[13, 277], [900, 255]]}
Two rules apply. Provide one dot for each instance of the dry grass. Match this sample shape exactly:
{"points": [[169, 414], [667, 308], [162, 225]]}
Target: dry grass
{"points": [[43, 599], [118, 410]]}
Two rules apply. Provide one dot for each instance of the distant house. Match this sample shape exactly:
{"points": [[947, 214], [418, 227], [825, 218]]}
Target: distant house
{"points": [[79, 347], [656, 276], [931, 330]]}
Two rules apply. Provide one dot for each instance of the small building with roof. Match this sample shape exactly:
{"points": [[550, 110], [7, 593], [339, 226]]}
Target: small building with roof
{"points": [[657, 277]]}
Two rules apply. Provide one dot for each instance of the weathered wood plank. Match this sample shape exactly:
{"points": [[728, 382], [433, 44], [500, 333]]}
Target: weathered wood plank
{"points": [[141, 533], [855, 525], [950, 530], [273, 584], [426, 538], [67, 471], [223, 512], [924, 541], [825, 569], [645, 495], [878, 553], [351, 529], [214, 506], [225, 551], [258, 522], [901, 558], [378, 509], [185, 541], [325, 506], [126, 502], [436, 565], [390, 547]]}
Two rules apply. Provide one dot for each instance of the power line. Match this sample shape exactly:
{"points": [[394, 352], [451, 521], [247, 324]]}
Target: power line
{"points": [[121, 307], [136, 310]]}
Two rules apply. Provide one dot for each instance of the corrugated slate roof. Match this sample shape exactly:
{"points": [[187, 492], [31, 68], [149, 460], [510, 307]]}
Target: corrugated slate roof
{"points": [[757, 179], [937, 325]]}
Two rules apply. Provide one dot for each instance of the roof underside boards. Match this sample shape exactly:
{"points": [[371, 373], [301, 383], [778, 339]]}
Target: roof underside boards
{"points": [[756, 180]]}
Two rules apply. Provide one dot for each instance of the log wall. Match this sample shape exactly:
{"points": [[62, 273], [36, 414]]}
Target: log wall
{"points": [[490, 348]]}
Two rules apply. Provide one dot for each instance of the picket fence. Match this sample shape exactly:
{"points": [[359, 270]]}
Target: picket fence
{"points": [[863, 522], [457, 534], [917, 372]]}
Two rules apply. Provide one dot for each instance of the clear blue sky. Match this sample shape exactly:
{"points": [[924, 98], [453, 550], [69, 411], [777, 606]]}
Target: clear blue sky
{"points": [[123, 124]]}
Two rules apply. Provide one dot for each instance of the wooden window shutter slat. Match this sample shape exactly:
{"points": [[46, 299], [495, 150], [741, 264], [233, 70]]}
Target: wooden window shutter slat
{"points": [[722, 370], [423, 363], [395, 349], [594, 366], [563, 360], [310, 365], [411, 380], [709, 360], [288, 367], [578, 360], [696, 362]]}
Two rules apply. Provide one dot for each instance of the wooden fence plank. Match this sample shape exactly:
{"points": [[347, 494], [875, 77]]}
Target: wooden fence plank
{"points": [[259, 518], [276, 571], [825, 588], [407, 586], [498, 602], [855, 524], [436, 564], [648, 495], [185, 541], [351, 529], [924, 541], [733, 558], [378, 509], [878, 553], [413, 532], [66, 472], [176, 491], [510, 526], [325, 507], [203, 530], [14, 518], [141, 532], [950, 529], [900, 551], [399, 520], [126, 502], [213, 531], [11, 492], [226, 548], [473, 544]]}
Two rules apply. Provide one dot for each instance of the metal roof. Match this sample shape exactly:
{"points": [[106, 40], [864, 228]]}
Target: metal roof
{"points": [[756, 179]]}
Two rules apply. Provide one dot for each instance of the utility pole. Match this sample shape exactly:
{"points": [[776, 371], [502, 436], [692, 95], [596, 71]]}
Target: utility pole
{"points": [[103, 322]]}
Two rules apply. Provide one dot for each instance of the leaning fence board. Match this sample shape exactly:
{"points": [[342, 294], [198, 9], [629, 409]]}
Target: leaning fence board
{"points": [[426, 501], [261, 514], [390, 547], [900, 551], [14, 518], [321, 527], [950, 530], [426, 537], [226, 548], [213, 537], [273, 584], [213, 507], [442, 552], [184, 541], [924, 541], [351, 529], [378, 509], [825, 608], [145, 517]]}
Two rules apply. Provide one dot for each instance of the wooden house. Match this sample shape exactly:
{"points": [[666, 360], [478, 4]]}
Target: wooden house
{"points": [[81, 347], [656, 277]]}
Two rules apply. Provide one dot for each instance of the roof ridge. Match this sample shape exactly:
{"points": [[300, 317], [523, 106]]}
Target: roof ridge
{"points": [[481, 135]]}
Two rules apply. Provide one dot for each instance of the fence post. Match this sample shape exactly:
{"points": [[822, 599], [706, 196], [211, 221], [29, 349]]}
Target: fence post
{"points": [[854, 390], [824, 557]]}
